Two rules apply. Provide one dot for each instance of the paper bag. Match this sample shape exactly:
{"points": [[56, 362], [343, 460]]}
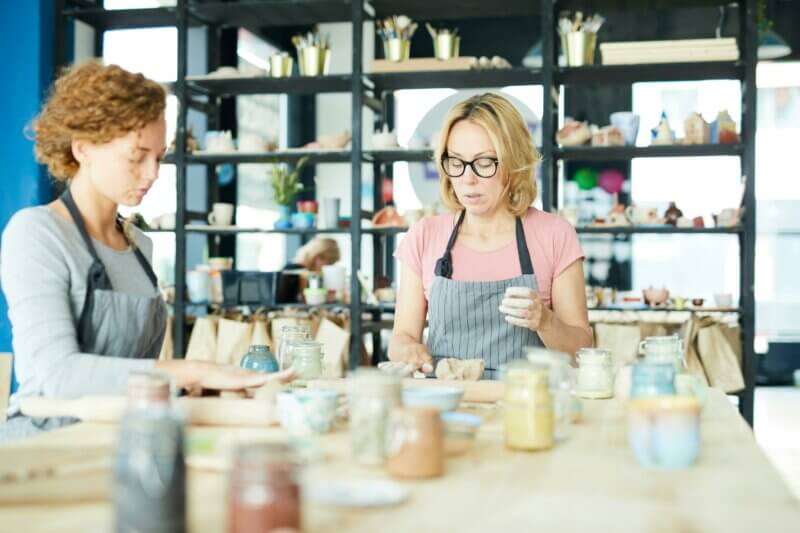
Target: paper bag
{"points": [[694, 364], [233, 341], [621, 339], [719, 359], [203, 340], [335, 342], [260, 335], [167, 347]]}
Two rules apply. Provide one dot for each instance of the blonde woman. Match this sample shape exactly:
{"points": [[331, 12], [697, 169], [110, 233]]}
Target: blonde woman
{"points": [[495, 275], [315, 254], [82, 297]]}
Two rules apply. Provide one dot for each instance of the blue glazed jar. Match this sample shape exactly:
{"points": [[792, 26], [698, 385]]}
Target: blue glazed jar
{"points": [[652, 379], [260, 359]]}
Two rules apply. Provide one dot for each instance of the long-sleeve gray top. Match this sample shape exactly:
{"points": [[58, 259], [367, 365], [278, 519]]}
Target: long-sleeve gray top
{"points": [[43, 269]]}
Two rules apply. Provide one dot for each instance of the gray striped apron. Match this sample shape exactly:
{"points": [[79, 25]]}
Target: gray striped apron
{"points": [[463, 316]]}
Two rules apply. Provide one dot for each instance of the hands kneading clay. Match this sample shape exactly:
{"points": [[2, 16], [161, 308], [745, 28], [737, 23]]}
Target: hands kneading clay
{"points": [[449, 368], [460, 369]]}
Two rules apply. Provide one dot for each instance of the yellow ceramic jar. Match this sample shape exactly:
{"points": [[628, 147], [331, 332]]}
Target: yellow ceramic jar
{"points": [[528, 407]]}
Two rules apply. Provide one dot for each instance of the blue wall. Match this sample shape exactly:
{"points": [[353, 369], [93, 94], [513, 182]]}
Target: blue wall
{"points": [[26, 32]]}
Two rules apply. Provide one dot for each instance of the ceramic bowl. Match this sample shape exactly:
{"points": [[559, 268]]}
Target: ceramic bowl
{"points": [[656, 296], [664, 432], [315, 296], [307, 411], [460, 431], [723, 299], [442, 398]]}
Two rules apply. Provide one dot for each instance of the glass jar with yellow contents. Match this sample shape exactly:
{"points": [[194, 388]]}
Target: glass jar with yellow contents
{"points": [[528, 406]]}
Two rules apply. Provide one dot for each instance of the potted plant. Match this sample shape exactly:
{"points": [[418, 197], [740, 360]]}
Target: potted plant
{"points": [[285, 186]]}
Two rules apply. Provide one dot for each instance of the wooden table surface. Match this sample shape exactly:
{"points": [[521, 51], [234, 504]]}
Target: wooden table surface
{"points": [[589, 483]]}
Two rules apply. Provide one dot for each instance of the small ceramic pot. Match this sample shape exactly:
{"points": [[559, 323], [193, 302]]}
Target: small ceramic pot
{"points": [[655, 296], [664, 432], [307, 411]]}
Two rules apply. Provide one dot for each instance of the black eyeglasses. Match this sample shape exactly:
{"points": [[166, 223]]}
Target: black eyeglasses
{"points": [[483, 167]]}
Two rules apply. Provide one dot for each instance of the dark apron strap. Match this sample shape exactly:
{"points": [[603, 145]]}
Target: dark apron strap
{"points": [[444, 265]]}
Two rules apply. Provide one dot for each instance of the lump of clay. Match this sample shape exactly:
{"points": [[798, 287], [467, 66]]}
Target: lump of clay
{"points": [[460, 369]]}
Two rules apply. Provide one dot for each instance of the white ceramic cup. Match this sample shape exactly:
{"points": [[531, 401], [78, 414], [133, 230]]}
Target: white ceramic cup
{"points": [[221, 214], [197, 286], [329, 213], [167, 221], [333, 278], [628, 124]]}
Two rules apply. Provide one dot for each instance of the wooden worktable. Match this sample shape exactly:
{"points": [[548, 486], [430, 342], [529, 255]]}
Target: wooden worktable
{"points": [[589, 483]]}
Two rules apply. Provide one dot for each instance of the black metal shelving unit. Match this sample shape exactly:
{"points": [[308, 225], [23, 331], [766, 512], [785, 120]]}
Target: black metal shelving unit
{"points": [[375, 91]]}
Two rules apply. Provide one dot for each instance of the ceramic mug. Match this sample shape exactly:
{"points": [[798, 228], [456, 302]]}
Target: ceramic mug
{"points": [[642, 215], [329, 213], [221, 214], [333, 278], [664, 432], [197, 286], [307, 411], [415, 443], [628, 124]]}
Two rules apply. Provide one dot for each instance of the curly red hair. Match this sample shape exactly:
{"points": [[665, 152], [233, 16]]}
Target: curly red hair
{"points": [[96, 103]]}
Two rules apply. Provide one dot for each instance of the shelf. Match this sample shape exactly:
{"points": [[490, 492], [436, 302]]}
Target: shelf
{"points": [[710, 70], [424, 10], [620, 153], [284, 156], [630, 5], [455, 79], [669, 310], [666, 230], [391, 156], [118, 19], [338, 83], [264, 14], [233, 230]]}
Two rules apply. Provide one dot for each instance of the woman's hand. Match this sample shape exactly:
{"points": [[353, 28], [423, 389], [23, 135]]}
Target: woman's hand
{"points": [[205, 375], [523, 307], [415, 354]]}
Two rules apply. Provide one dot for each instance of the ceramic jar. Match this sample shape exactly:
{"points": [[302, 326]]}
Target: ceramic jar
{"points": [[372, 396], [664, 432], [259, 359], [528, 407], [290, 334], [415, 443], [661, 349], [595, 373], [306, 359], [561, 376], [652, 379]]}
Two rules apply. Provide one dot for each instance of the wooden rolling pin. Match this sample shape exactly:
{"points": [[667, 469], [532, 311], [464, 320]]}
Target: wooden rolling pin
{"points": [[482, 391], [197, 411]]}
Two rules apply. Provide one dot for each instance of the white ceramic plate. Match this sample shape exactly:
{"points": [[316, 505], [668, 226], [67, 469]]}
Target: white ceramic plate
{"points": [[355, 492]]}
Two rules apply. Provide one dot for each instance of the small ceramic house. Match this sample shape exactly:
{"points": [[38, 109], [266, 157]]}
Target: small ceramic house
{"points": [[662, 134], [697, 130]]}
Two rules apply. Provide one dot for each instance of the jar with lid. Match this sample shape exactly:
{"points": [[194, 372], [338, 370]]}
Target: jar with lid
{"points": [[260, 359], [595, 373], [371, 396], [650, 378], [561, 377], [149, 485], [528, 406], [264, 494], [290, 334], [664, 349], [306, 359]]}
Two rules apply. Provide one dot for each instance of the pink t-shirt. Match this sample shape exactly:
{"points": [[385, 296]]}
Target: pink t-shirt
{"points": [[552, 243]]}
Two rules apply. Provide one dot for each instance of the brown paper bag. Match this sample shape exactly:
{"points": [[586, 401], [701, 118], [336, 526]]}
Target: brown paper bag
{"points": [[621, 339], [233, 341], [260, 335], [694, 364], [719, 359], [203, 340], [167, 347], [335, 342]]}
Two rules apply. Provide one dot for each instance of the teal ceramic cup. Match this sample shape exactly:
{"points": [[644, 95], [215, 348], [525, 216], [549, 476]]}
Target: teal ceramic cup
{"points": [[307, 411], [664, 431], [259, 359]]}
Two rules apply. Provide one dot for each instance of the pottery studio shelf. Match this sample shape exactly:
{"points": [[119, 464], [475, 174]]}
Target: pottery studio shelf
{"points": [[397, 155], [624, 74], [245, 85], [455, 79], [624, 153], [271, 13], [233, 230], [119, 19], [280, 156], [660, 230]]}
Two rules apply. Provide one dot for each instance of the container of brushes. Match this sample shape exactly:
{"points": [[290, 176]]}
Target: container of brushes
{"points": [[445, 45], [280, 65], [579, 47], [314, 60], [397, 49]]}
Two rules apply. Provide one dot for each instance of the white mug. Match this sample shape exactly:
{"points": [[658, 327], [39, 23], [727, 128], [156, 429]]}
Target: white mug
{"points": [[197, 286], [333, 277], [221, 214]]}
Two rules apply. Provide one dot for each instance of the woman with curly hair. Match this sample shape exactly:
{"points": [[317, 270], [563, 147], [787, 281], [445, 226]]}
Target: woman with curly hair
{"points": [[495, 275], [83, 300]]}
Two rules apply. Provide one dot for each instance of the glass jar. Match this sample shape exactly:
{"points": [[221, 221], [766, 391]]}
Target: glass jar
{"points": [[664, 349], [561, 377], [259, 359], [650, 378], [371, 395], [595, 373], [264, 494], [306, 357], [290, 334], [149, 472], [528, 409]]}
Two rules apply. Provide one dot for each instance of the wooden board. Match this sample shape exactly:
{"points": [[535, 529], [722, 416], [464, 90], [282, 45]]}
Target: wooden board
{"points": [[421, 64], [588, 483]]}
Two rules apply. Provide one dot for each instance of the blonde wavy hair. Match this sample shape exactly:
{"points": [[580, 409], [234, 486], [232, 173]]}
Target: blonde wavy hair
{"points": [[96, 103], [516, 152], [324, 248]]}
